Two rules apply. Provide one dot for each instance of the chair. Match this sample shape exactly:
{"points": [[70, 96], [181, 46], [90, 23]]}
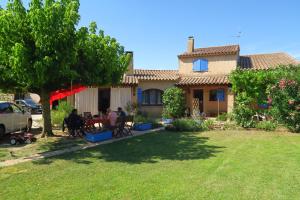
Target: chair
{"points": [[129, 124], [120, 127]]}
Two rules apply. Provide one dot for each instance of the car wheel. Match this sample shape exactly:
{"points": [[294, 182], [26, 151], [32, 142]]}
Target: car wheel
{"points": [[2, 131], [29, 125], [13, 141]]}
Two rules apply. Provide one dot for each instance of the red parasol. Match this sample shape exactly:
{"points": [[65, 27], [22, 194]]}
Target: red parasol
{"points": [[60, 94]]}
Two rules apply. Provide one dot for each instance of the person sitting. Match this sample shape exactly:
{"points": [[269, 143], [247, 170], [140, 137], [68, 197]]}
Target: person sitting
{"points": [[75, 123], [121, 113], [112, 118]]}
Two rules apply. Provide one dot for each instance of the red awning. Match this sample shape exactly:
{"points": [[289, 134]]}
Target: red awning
{"points": [[60, 94]]}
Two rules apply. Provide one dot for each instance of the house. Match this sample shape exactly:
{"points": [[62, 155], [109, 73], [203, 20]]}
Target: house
{"points": [[202, 73]]}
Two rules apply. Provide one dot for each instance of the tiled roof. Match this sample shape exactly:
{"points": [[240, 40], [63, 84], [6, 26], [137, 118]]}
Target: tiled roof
{"points": [[203, 80], [212, 51], [150, 75], [265, 61], [165, 75], [129, 80]]}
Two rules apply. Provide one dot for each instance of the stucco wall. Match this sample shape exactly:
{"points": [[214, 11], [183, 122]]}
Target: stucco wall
{"points": [[216, 65], [154, 111], [209, 107]]}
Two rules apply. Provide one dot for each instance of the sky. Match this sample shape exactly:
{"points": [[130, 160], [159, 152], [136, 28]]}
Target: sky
{"points": [[157, 30]]}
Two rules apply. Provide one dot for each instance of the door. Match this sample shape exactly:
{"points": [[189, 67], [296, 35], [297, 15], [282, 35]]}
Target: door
{"points": [[198, 94], [6, 117], [19, 118], [103, 100]]}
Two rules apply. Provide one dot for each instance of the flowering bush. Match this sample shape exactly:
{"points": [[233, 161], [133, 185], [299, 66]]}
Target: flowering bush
{"points": [[285, 98]]}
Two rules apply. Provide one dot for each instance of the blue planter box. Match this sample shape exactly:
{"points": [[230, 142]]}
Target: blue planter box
{"points": [[98, 137], [142, 127]]}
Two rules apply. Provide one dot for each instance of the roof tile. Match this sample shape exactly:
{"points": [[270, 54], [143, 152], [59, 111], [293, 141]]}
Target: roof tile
{"points": [[212, 51]]}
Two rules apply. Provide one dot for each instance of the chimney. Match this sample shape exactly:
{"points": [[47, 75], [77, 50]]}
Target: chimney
{"points": [[190, 46], [130, 66]]}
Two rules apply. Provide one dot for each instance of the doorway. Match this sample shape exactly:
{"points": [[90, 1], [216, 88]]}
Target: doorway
{"points": [[103, 99], [198, 94]]}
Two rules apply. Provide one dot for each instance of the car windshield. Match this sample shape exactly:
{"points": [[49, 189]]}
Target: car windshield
{"points": [[30, 102]]}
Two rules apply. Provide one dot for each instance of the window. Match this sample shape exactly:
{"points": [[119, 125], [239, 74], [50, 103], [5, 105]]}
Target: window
{"points": [[200, 65], [152, 97], [15, 108], [215, 95], [5, 108]]}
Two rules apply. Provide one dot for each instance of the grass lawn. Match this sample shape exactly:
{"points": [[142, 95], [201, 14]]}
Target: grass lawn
{"points": [[165, 165], [61, 141]]}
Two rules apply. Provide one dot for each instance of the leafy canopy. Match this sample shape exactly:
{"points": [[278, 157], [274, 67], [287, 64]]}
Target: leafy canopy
{"points": [[40, 48]]}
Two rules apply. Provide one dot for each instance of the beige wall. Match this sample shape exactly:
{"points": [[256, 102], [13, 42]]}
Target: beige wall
{"points": [[209, 107], [216, 65], [154, 111]]}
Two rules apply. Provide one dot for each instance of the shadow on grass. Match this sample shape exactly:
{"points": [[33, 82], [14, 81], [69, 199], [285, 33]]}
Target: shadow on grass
{"points": [[149, 148]]}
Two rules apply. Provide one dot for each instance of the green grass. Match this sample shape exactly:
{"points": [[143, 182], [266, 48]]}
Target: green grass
{"points": [[166, 165], [9, 152]]}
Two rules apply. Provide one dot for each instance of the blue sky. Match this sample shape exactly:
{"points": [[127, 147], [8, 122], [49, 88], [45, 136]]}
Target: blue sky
{"points": [[157, 30]]}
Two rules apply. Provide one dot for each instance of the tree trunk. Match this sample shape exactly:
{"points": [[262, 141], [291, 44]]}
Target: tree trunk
{"points": [[45, 100]]}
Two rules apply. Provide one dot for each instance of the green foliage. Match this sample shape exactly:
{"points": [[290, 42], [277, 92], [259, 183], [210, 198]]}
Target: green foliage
{"points": [[131, 108], [63, 110], [174, 103], [41, 50], [186, 124], [251, 89], [285, 98], [138, 119], [222, 117], [208, 125], [266, 125], [141, 119]]}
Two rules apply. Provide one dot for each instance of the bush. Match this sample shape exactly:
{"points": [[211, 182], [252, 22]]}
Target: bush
{"points": [[63, 110], [139, 119], [285, 100], [251, 88], [174, 103], [222, 117], [186, 125], [266, 125], [208, 125]]}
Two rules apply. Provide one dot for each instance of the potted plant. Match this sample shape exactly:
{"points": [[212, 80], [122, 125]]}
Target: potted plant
{"points": [[142, 123]]}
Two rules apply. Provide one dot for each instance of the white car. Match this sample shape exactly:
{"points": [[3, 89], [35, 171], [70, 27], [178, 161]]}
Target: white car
{"points": [[13, 118]]}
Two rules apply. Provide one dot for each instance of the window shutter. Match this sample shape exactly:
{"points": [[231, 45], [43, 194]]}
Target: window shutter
{"points": [[139, 96], [196, 65], [221, 95], [204, 65]]}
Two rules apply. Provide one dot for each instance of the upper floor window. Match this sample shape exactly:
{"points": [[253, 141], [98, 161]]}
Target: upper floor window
{"points": [[152, 97], [200, 65], [215, 95]]}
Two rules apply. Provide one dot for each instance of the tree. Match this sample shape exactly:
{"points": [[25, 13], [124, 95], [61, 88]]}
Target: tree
{"points": [[174, 102], [42, 51]]}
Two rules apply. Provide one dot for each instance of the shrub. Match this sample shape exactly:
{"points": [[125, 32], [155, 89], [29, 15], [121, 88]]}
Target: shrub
{"points": [[144, 119], [185, 124], [208, 125], [140, 119], [174, 103], [266, 125], [63, 110], [251, 89], [285, 99], [222, 117]]}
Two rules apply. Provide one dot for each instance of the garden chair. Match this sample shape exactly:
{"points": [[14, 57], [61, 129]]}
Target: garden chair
{"points": [[129, 124], [120, 126]]}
